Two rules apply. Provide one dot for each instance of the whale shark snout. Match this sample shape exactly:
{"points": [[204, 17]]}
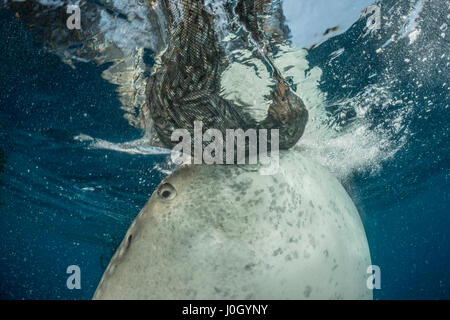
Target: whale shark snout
{"points": [[227, 232]]}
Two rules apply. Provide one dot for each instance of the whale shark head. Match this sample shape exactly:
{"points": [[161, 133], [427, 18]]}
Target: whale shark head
{"points": [[228, 232]]}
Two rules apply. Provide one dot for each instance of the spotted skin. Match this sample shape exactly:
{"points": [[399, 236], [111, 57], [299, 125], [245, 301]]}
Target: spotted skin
{"points": [[230, 233]]}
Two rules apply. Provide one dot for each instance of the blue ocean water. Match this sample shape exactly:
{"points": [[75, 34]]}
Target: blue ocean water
{"points": [[63, 203]]}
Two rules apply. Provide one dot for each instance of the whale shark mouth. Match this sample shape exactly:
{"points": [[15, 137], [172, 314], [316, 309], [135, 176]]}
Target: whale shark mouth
{"points": [[129, 38]]}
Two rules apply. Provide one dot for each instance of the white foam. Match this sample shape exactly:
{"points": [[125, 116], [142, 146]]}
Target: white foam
{"points": [[140, 146], [355, 146], [410, 27], [132, 33]]}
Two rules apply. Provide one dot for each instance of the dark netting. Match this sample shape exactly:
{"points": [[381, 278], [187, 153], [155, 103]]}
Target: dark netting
{"points": [[186, 85]]}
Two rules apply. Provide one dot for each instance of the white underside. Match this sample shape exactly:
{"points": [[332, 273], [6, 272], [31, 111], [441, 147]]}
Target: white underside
{"points": [[231, 233]]}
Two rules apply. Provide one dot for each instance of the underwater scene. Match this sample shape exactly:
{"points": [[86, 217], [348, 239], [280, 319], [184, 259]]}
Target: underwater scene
{"points": [[92, 90]]}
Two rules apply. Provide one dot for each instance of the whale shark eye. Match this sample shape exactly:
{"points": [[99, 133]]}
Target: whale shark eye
{"points": [[167, 191]]}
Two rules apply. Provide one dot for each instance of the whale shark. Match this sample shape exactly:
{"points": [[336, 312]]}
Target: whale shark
{"points": [[213, 231], [228, 232]]}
